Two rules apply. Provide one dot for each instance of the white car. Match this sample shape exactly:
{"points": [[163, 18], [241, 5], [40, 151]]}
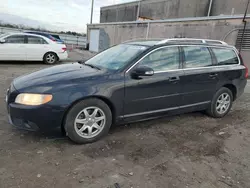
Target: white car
{"points": [[30, 47]]}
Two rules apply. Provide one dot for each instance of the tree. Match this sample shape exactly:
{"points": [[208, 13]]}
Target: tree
{"points": [[2, 24]]}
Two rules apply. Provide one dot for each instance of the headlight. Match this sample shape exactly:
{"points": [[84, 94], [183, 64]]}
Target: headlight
{"points": [[33, 99]]}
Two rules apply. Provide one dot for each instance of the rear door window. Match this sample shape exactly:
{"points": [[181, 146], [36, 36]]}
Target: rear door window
{"points": [[36, 40], [225, 56], [197, 56], [163, 59]]}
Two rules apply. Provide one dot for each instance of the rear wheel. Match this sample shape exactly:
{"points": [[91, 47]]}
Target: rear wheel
{"points": [[50, 58], [221, 103], [88, 121]]}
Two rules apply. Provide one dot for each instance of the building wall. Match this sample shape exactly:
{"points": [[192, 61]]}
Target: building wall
{"points": [[220, 29], [228, 7], [154, 9], [166, 9], [119, 13]]}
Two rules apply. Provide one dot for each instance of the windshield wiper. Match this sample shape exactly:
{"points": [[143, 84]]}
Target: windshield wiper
{"points": [[90, 65]]}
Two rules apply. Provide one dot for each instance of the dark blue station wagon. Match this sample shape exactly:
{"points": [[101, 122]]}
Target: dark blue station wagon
{"points": [[129, 82]]}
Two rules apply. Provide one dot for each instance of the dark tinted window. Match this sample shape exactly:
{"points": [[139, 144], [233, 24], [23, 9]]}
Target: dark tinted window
{"points": [[197, 56], [15, 39], [36, 40], [56, 36], [163, 59], [225, 56]]}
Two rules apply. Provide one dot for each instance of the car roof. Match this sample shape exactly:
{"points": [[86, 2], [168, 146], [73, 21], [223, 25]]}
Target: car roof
{"points": [[36, 32], [22, 34], [27, 34]]}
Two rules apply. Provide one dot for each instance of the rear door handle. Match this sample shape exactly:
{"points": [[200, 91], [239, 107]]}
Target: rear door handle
{"points": [[174, 79], [213, 75]]}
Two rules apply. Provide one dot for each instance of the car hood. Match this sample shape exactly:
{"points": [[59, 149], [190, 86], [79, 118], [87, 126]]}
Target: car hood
{"points": [[61, 74]]}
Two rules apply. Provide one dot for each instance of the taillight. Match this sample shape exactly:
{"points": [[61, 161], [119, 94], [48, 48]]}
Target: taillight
{"points": [[247, 71], [64, 49], [53, 39]]}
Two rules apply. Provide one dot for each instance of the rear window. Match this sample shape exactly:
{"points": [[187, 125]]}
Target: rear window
{"points": [[225, 56], [36, 40]]}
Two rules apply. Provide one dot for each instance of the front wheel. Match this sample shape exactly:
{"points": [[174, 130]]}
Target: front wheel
{"points": [[88, 121], [50, 58], [221, 103]]}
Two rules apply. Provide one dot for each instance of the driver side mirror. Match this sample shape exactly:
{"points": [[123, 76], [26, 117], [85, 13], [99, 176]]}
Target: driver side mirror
{"points": [[2, 41], [142, 71]]}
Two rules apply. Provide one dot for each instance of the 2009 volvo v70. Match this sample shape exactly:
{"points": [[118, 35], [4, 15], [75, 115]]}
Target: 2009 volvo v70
{"points": [[133, 81]]}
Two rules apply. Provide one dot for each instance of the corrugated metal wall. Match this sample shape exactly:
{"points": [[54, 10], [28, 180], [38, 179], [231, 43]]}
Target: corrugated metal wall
{"points": [[166, 9]]}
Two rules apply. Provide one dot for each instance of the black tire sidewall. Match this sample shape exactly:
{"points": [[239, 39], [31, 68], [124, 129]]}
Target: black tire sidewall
{"points": [[73, 112], [213, 112], [45, 60]]}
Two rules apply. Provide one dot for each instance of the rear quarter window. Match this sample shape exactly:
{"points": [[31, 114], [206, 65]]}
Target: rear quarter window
{"points": [[225, 56]]}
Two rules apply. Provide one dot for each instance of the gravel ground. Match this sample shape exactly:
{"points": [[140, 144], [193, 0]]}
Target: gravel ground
{"points": [[186, 151]]}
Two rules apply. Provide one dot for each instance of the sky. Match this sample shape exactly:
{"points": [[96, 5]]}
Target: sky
{"points": [[62, 15]]}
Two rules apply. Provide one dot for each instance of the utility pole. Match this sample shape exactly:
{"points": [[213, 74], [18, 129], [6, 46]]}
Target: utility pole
{"points": [[210, 7], [138, 10], [92, 9]]}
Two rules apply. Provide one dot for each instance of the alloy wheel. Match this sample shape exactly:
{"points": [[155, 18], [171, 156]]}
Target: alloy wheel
{"points": [[89, 122], [51, 58], [223, 103]]}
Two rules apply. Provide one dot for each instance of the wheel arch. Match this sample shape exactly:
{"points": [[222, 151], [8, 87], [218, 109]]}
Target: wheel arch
{"points": [[51, 52], [102, 98], [233, 89]]}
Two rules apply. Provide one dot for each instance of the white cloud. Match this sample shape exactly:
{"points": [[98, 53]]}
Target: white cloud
{"points": [[62, 14]]}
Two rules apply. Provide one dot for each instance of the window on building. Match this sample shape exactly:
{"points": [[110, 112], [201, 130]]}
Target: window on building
{"points": [[162, 59], [197, 56]]}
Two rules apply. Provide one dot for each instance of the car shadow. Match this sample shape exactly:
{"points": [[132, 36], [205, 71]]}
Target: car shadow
{"points": [[61, 138]]}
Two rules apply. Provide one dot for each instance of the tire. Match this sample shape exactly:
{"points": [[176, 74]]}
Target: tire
{"points": [[216, 108], [50, 58], [79, 125]]}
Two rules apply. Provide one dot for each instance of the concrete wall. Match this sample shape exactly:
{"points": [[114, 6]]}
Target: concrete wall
{"points": [[211, 29], [220, 29], [228, 7], [165, 9]]}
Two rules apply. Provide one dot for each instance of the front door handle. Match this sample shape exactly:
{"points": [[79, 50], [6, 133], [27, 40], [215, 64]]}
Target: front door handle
{"points": [[174, 79]]}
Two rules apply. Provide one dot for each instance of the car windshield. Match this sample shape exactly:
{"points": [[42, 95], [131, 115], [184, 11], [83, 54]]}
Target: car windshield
{"points": [[116, 57]]}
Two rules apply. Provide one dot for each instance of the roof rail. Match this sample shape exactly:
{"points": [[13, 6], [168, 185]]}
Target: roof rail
{"points": [[143, 39], [205, 41]]}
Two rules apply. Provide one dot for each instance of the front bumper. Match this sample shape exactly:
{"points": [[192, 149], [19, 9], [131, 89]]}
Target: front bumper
{"points": [[44, 118]]}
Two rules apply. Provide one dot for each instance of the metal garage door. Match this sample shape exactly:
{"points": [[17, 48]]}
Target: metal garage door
{"points": [[94, 40]]}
